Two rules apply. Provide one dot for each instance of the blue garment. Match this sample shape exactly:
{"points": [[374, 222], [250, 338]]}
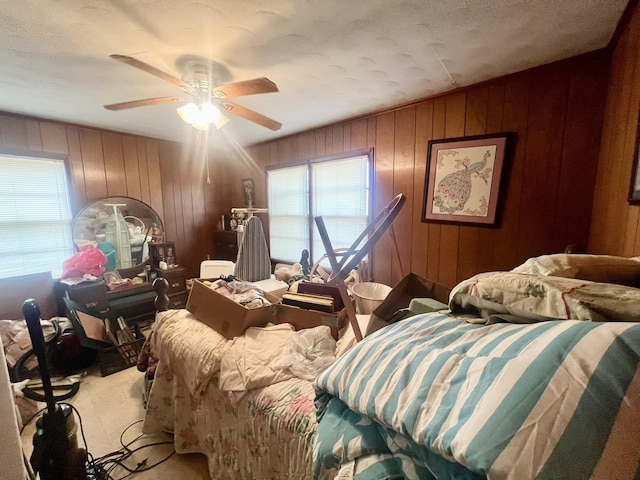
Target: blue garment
{"points": [[110, 252]]}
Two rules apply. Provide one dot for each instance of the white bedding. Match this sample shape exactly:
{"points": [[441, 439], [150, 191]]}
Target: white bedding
{"points": [[245, 363]]}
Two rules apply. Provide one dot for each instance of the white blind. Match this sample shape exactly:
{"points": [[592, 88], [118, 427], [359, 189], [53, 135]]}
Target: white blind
{"points": [[288, 212], [340, 193], [35, 217], [338, 190]]}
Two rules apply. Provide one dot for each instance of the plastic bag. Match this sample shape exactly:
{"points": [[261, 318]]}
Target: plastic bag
{"points": [[307, 353], [248, 294], [238, 286], [89, 260]]}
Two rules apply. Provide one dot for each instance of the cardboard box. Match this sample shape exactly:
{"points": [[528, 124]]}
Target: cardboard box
{"points": [[227, 317], [301, 318], [410, 287]]}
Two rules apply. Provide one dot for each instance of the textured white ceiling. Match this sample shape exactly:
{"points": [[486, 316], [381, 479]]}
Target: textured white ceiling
{"points": [[330, 59]]}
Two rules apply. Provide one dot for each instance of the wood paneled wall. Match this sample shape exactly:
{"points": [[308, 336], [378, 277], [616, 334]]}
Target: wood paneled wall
{"points": [[556, 113], [169, 177], [615, 226]]}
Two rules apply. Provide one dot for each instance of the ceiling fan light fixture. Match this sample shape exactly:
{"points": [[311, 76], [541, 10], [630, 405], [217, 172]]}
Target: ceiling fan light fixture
{"points": [[210, 113], [201, 87], [200, 125], [200, 116], [221, 122], [188, 112]]}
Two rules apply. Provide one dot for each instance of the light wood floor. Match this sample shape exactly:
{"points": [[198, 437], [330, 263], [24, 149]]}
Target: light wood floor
{"points": [[107, 406]]}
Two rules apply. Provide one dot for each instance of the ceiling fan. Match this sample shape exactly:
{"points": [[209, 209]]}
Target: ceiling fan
{"points": [[207, 96]]}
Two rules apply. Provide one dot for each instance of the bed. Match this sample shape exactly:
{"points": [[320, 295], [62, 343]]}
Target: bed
{"points": [[264, 432], [532, 374]]}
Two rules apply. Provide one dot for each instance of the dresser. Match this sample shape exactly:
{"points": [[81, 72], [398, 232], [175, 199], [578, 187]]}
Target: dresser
{"points": [[225, 245], [134, 304]]}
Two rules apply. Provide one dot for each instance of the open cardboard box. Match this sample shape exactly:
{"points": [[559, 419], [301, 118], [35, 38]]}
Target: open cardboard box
{"points": [[227, 317], [231, 319], [302, 318], [410, 287]]}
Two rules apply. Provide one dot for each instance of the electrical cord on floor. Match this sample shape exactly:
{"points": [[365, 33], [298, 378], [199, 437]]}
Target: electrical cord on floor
{"points": [[102, 467], [109, 462]]}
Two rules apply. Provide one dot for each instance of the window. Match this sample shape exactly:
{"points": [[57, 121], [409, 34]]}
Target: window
{"points": [[338, 189], [35, 217]]}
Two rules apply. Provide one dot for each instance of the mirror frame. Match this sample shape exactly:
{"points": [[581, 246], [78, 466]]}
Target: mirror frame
{"points": [[136, 210]]}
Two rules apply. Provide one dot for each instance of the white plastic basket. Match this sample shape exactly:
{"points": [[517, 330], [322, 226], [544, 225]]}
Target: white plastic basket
{"points": [[369, 295]]}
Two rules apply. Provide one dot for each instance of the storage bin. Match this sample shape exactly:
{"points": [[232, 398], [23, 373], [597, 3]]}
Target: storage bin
{"points": [[117, 358], [369, 295]]}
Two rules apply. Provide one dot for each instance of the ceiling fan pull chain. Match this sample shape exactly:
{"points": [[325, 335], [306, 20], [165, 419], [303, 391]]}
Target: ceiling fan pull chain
{"points": [[205, 150], [206, 159]]}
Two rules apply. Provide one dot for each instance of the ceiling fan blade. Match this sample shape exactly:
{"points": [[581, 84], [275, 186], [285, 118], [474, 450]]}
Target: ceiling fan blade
{"points": [[251, 116], [143, 103], [247, 87], [153, 71]]}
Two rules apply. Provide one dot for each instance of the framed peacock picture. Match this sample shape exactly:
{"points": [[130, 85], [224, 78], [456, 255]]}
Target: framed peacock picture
{"points": [[463, 179]]}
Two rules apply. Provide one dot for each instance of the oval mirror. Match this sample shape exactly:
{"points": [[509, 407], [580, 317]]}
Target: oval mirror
{"points": [[122, 227]]}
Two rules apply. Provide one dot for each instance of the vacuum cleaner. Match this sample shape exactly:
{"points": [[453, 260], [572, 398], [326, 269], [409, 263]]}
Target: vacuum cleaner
{"points": [[56, 455]]}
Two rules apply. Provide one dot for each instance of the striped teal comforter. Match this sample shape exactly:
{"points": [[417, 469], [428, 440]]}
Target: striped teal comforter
{"points": [[436, 397]]}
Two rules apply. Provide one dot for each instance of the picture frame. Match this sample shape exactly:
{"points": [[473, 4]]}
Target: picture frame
{"points": [[634, 187], [463, 179], [248, 192], [111, 276]]}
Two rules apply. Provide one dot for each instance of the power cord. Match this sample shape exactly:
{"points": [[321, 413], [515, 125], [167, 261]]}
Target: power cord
{"points": [[109, 462], [101, 468]]}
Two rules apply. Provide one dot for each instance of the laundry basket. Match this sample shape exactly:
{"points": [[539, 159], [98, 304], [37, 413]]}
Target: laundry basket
{"points": [[369, 295]]}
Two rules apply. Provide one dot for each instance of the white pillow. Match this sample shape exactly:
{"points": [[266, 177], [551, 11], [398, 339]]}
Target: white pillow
{"points": [[595, 268]]}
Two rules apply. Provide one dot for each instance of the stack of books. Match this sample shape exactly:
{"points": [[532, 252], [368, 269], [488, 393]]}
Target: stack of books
{"points": [[323, 289], [309, 301]]}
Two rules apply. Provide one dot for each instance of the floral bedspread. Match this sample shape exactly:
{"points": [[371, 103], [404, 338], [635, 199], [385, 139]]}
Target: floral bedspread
{"points": [[522, 298], [269, 434]]}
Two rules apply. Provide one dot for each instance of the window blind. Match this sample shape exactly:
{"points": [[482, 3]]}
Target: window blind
{"points": [[35, 217], [288, 212], [336, 189], [340, 196]]}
